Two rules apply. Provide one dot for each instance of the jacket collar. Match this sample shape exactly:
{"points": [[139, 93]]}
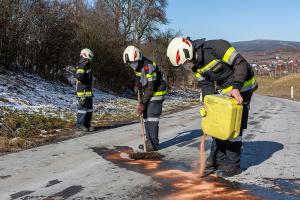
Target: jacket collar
{"points": [[198, 45]]}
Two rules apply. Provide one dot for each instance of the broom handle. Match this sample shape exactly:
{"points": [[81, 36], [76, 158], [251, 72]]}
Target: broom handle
{"points": [[142, 124]]}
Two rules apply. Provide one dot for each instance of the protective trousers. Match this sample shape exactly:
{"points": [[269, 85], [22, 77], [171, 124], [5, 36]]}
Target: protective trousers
{"points": [[228, 152], [151, 116], [84, 112]]}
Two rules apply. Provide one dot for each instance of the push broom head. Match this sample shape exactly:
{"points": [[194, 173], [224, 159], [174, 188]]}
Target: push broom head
{"points": [[152, 155]]}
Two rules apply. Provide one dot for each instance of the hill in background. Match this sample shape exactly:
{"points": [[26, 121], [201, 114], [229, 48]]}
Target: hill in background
{"points": [[279, 87], [264, 45]]}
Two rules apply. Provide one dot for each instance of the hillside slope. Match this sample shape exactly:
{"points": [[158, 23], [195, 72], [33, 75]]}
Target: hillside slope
{"points": [[280, 87], [263, 45], [34, 111]]}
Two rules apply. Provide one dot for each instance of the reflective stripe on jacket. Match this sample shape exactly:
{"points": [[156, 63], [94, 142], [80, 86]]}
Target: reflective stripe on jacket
{"points": [[153, 83], [218, 62], [84, 78]]}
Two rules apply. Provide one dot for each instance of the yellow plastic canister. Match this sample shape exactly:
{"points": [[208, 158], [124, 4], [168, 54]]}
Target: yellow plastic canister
{"points": [[223, 117]]}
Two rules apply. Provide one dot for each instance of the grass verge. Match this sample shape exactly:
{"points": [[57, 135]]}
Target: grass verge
{"points": [[20, 130], [279, 87]]}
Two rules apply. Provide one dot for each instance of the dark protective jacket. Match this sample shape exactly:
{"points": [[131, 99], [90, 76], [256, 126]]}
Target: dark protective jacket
{"points": [[217, 62], [84, 78], [154, 86]]}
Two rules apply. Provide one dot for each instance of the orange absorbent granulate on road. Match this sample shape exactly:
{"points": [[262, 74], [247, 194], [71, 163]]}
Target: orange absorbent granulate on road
{"points": [[190, 186], [202, 157], [180, 181]]}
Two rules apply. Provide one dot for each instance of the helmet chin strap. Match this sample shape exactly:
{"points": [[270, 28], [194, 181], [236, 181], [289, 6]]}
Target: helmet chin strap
{"points": [[188, 65], [177, 68]]}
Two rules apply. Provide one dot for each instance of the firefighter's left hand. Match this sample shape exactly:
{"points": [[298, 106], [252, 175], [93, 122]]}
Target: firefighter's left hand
{"points": [[137, 87], [235, 93], [141, 109], [82, 100]]}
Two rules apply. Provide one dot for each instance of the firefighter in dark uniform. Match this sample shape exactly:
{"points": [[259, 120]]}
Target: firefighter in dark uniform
{"points": [[153, 89], [84, 79], [219, 68]]}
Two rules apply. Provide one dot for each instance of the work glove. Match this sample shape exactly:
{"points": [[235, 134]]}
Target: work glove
{"points": [[141, 109], [82, 100]]}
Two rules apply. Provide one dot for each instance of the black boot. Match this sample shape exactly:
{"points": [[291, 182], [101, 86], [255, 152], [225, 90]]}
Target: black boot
{"points": [[149, 146], [216, 156], [209, 167], [228, 171]]}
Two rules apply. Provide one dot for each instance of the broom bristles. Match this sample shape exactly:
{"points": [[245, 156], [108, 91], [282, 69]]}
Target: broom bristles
{"points": [[145, 155]]}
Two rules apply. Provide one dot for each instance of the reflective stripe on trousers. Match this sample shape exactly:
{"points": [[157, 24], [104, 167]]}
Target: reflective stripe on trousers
{"points": [[84, 113], [151, 116], [151, 119], [157, 98]]}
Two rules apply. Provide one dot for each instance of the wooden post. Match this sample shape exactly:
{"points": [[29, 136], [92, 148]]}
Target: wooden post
{"points": [[292, 92], [201, 96]]}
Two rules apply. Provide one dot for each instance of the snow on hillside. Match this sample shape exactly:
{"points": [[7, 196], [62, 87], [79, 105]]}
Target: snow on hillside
{"points": [[23, 91], [30, 93]]}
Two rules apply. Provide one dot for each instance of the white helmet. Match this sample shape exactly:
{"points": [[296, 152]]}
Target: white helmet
{"points": [[132, 54], [87, 53], [179, 51]]}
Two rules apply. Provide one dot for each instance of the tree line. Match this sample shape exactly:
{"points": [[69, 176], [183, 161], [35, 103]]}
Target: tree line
{"points": [[44, 36]]}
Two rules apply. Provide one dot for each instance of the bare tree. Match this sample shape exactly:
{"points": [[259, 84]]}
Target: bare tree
{"points": [[46, 35], [136, 19]]}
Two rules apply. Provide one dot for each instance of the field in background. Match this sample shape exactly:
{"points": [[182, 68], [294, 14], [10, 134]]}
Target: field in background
{"points": [[279, 87]]}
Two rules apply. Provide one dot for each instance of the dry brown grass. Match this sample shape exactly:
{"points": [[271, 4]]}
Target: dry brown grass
{"points": [[20, 130], [280, 87]]}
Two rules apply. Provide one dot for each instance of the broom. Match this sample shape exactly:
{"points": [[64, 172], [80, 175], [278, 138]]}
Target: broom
{"points": [[144, 155]]}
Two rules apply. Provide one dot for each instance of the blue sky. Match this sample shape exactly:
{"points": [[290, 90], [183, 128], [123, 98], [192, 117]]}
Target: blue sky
{"points": [[236, 20]]}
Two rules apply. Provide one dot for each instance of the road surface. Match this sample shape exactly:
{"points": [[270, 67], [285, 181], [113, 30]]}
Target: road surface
{"points": [[96, 166]]}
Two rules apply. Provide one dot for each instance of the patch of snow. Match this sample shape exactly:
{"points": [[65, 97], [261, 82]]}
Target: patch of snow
{"points": [[27, 92], [30, 93]]}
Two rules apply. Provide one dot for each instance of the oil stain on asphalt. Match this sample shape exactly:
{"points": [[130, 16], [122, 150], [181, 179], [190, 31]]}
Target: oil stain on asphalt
{"points": [[64, 194], [68, 192], [5, 176], [53, 182], [177, 180], [20, 194]]}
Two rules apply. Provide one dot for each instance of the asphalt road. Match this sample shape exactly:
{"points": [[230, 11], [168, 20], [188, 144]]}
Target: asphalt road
{"points": [[96, 166]]}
